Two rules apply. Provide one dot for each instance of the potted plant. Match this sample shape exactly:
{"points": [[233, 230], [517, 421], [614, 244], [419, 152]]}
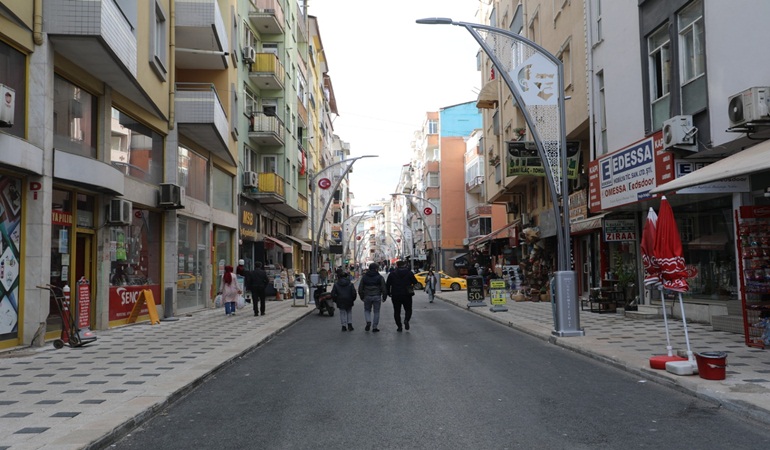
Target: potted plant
{"points": [[545, 296], [494, 160], [519, 133]]}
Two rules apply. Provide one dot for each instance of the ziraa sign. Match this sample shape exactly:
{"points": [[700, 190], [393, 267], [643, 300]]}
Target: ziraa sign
{"points": [[627, 175]]}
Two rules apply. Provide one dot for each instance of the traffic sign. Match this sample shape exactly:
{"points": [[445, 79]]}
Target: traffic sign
{"points": [[324, 183]]}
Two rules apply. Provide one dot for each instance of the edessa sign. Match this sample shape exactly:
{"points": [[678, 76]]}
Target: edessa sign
{"points": [[627, 175]]}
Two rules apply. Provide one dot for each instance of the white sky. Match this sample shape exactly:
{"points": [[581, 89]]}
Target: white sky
{"points": [[387, 72]]}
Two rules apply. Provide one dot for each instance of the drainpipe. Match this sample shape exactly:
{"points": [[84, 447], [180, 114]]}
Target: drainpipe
{"points": [[172, 66], [590, 80], [37, 26]]}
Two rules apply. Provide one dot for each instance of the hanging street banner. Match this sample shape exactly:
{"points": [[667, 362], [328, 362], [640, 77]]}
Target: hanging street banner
{"points": [[523, 159], [627, 175]]}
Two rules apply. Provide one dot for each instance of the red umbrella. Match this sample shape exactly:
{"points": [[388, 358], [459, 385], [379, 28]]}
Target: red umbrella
{"points": [[651, 268], [668, 250], [668, 254]]}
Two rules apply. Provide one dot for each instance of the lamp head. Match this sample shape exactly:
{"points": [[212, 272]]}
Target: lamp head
{"points": [[435, 21]]}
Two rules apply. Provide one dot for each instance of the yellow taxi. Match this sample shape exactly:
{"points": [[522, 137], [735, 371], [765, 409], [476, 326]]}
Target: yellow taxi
{"points": [[447, 282], [187, 281]]}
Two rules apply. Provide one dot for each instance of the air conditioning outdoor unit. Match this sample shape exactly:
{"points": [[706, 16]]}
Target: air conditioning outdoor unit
{"points": [[251, 180], [751, 105], [679, 132], [119, 212], [170, 196], [249, 54], [7, 105]]}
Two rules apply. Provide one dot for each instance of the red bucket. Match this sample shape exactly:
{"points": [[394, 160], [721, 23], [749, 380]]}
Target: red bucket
{"points": [[711, 365]]}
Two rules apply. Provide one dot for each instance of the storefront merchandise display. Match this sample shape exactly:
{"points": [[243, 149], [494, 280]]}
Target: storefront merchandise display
{"points": [[754, 251]]}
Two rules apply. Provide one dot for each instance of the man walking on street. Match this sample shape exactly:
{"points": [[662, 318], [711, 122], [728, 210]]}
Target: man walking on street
{"points": [[400, 287], [373, 291], [257, 281]]}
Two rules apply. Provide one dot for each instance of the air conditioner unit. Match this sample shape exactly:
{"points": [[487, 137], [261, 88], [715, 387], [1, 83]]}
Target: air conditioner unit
{"points": [[7, 105], [679, 132], [251, 180], [249, 54], [751, 105], [119, 212], [170, 196]]}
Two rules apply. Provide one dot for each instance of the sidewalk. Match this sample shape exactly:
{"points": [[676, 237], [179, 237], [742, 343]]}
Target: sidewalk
{"points": [[77, 398], [81, 397], [629, 343]]}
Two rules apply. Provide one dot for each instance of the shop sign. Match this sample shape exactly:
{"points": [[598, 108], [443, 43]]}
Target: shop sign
{"points": [[627, 175], [247, 227], [61, 218], [618, 230], [733, 184], [123, 298], [84, 303]]}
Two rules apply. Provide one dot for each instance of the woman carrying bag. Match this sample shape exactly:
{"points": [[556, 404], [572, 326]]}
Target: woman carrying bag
{"points": [[431, 281], [230, 291]]}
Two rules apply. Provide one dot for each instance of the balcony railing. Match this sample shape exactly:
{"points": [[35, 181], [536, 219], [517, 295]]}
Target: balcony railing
{"points": [[271, 183], [265, 129], [479, 210], [302, 203], [267, 16], [267, 71], [474, 185]]}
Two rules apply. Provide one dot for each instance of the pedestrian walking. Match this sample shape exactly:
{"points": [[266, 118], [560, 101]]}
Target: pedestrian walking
{"points": [[256, 282], [230, 291], [344, 294], [373, 292], [431, 284], [400, 285]]}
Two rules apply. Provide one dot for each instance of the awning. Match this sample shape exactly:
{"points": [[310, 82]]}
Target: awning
{"points": [[753, 160], [489, 95], [461, 255], [493, 235], [708, 242], [591, 223], [286, 247], [303, 245]]}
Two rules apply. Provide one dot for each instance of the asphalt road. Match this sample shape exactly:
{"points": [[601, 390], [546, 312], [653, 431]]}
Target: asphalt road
{"points": [[454, 381]]}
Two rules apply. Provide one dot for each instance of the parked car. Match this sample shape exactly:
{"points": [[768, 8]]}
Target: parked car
{"points": [[447, 282], [187, 281]]}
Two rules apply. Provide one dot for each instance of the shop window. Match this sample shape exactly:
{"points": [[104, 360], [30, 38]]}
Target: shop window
{"points": [[192, 247], [223, 190], [193, 174], [10, 261], [13, 70], [74, 119], [135, 149]]}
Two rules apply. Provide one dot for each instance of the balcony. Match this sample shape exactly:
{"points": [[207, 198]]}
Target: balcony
{"points": [[267, 71], [479, 210], [267, 16], [201, 37], [266, 130], [302, 203], [96, 36], [302, 28], [474, 185], [201, 117], [301, 112]]}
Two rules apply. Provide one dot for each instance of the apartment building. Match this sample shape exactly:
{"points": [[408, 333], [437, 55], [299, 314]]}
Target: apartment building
{"points": [[146, 145]]}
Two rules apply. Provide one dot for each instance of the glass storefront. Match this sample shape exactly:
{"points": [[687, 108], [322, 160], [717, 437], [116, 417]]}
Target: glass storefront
{"points": [[191, 266], [10, 243], [135, 263], [224, 256]]}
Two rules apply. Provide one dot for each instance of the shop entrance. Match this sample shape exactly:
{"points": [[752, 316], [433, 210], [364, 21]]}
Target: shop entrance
{"points": [[84, 263], [588, 254]]}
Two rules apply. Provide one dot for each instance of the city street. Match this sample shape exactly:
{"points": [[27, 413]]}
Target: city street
{"points": [[454, 380]]}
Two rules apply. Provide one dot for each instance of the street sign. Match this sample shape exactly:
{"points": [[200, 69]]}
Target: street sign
{"points": [[428, 211], [324, 183]]}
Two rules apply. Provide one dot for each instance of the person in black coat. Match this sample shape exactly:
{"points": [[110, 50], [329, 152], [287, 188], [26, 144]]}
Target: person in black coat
{"points": [[398, 284], [256, 282], [373, 292], [344, 294]]}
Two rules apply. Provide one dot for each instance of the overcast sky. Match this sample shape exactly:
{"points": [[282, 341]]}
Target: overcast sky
{"points": [[387, 72]]}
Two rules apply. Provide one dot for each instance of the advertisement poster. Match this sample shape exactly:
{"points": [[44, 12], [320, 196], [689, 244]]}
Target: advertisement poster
{"points": [[10, 241], [123, 298], [627, 175]]}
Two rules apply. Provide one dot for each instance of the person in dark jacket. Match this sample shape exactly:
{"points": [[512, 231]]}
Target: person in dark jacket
{"points": [[344, 294], [398, 285], [256, 282], [373, 292]]}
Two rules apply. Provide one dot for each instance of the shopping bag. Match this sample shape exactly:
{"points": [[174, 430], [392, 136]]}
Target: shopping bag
{"points": [[218, 301], [241, 302]]}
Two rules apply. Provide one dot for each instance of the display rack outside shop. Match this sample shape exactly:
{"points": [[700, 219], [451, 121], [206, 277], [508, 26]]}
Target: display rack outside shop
{"points": [[754, 265]]}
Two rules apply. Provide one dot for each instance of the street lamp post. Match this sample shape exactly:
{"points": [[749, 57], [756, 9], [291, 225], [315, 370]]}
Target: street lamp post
{"points": [[346, 240], [436, 249], [403, 236], [535, 70], [313, 233]]}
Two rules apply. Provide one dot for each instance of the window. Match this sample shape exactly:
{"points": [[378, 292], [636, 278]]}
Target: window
{"points": [[597, 13], [74, 119], [135, 149], [433, 127], [223, 190], [249, 40], [433, 180], [565, 56], [659, 51], [158, 40], [602, 111], [269, 164], [534, 26], [13, 67], [485, 225], [250, 159], [692, 58], [193, 174]]}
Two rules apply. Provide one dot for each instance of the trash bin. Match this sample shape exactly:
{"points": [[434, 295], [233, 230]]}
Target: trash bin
{"points": [[711, 365]]}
